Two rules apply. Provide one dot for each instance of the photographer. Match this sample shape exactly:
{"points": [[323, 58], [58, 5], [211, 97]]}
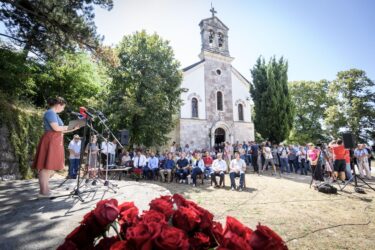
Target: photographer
{"points": [[339, 163]]}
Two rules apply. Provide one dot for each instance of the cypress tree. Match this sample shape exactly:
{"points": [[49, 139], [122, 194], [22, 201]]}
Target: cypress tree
{"points": [[273, 106]]}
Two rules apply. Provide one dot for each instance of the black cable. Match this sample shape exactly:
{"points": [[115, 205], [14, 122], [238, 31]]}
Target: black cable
{"points": [[334, 226]]}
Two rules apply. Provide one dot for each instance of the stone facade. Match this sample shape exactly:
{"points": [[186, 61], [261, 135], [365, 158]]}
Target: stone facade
{"points": [[194, 132], [203, 80]]}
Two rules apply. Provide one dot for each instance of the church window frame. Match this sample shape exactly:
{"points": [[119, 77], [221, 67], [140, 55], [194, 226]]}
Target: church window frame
{"points": [[211, 36], [220, 39], [240, 112], [194, 107], [219, 101]]}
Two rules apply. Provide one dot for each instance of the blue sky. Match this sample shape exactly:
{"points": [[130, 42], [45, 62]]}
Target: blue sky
{"points": [[317, 37]]}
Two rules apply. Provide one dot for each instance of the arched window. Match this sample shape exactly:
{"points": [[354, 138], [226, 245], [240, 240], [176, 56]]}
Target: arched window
{"points": [[220, 39], [240, 112], [194, 107], [219, 101], [211, 36]]}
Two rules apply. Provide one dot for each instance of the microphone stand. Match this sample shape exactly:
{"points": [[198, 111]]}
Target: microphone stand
{"points": [[106, 182], [103, 121], [77, 193]]}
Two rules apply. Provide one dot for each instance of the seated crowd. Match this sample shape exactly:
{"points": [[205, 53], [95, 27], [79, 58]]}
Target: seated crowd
{"points": [[185, 166]]}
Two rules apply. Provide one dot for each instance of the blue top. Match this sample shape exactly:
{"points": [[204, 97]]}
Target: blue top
{"points": [[49, 117], [199, 164], [245, 147], [254, 149], [360, 152], [169, 164], [153, 162], [181, 163]]}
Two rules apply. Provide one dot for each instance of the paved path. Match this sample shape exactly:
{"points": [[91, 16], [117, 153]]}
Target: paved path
{"points": [[30, 223]]}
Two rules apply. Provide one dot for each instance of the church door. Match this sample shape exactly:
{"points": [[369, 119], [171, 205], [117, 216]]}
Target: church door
{"points": [[219, 139]]}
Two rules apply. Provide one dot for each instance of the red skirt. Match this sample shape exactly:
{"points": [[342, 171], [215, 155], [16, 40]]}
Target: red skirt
{"points": [[50, 152]]}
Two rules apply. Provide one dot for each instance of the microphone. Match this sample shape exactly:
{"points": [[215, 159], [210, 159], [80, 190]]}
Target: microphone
{"points": [[69, 111], [83, 111], [100, 115]]}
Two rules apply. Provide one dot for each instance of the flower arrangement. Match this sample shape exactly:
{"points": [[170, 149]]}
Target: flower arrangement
{"points": [[171, 223], [136, 174]]}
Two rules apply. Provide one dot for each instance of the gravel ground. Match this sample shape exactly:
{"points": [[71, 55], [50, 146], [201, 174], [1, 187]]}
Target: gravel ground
{"points": [[303, 217]]}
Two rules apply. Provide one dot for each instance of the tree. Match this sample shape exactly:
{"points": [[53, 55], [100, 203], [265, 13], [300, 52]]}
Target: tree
{"points": [[145, 91], [45, 27], [74, 76], [354, 106], [310, 102], [273, 105], [16, 74]]}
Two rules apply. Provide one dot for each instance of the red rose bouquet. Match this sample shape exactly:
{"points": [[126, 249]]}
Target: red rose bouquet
{"points": [[171, 223]]}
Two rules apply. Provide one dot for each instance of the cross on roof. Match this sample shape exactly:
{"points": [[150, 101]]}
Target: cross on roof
{"points": [[213, 11]]}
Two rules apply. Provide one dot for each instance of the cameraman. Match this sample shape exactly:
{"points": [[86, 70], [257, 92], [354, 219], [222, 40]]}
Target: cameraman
{"points": [[339, 164]]}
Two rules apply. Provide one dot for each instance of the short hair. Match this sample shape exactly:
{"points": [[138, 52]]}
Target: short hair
{"points": [[52, 101], [339, 141]]}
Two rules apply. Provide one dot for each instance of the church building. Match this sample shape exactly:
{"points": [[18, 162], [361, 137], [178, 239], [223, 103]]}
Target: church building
{"points": [[217, 104]]}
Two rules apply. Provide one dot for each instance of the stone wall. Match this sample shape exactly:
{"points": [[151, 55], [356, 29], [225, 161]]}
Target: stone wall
{"points": [[218, 78], [195, 133], [9, 166], [243, 131]]}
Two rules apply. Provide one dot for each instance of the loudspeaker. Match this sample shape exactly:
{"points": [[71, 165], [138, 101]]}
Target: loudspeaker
{"points": [[124, 136], [348, 140]]}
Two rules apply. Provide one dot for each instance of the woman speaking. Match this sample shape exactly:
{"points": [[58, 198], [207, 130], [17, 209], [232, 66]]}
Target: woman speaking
{"points": [[50, 152]]}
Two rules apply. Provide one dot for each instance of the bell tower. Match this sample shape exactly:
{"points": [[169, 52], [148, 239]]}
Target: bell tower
{"points": [[214, 35]]}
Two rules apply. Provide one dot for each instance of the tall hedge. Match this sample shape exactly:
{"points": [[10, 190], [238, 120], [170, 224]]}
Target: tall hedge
{"points": [[25, 129]]}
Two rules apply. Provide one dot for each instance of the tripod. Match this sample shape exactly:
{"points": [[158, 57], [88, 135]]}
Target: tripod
{"points": [[356, 187], [77, 193]]}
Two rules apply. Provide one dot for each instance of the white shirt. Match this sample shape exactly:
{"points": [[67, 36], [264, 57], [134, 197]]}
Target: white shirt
{"points": [[219, 165], [76, 147], [112, 148], [283, 151], [237, 166], [301, 155], [141, 159], [267, 153], [109, 147]]}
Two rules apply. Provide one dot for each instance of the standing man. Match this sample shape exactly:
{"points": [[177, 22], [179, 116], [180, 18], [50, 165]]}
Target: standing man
{"points": [[104, 152], [292, 159], [361, 154], [283, 153], [268, 158], [112, 152], [219, 167], [74, 155], [237, 169], [186, 149], [173, 148], [254, 156], [339, 164]]}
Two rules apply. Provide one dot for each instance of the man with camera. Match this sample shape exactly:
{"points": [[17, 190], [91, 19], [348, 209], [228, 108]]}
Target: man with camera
{"points": [[339, 163]]}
